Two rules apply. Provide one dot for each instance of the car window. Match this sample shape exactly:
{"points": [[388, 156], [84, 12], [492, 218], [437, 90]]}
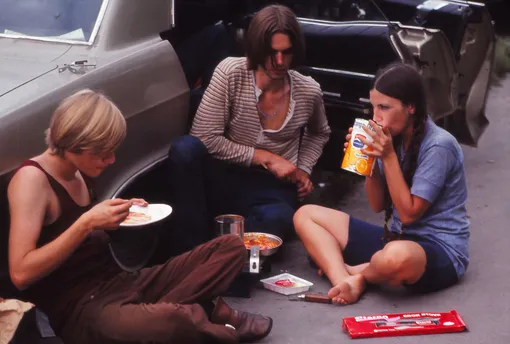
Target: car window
{"points": [[56, 20]]}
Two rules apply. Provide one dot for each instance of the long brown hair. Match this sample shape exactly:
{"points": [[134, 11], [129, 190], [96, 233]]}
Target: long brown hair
{"points": [[268, 21], [403, 82]]}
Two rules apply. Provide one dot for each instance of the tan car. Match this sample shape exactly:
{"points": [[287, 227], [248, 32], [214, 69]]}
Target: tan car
{"points": [[49, 49]]}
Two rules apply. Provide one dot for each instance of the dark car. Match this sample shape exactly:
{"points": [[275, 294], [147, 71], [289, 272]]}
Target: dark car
{"points": [[451, 42]]}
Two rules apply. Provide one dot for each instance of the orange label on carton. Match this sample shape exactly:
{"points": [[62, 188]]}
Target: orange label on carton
{"points": [[354, 159]]}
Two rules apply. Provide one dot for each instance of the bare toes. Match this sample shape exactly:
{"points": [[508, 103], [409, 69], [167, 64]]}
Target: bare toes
{"points": [[347, 291]]}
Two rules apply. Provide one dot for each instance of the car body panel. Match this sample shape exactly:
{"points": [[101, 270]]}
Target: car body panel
{"points": [[433, 55], [469, 29], [16, 73], [135, 68], [475, 67]]}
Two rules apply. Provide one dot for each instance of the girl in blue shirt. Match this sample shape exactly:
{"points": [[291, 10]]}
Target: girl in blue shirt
{"points": [[419, 181]]}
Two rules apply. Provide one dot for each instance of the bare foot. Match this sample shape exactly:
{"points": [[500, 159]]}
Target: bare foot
{"points": [[356, 269], [348, 291]]}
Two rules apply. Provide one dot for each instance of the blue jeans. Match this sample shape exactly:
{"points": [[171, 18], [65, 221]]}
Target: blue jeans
{"points": [[202, 187]]}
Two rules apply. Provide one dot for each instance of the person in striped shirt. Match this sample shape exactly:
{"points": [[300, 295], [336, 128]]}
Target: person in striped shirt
{"points": [[257, 134]]}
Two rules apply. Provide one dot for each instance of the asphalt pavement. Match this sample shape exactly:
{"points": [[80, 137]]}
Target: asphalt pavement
{"points": [[482, 297]]}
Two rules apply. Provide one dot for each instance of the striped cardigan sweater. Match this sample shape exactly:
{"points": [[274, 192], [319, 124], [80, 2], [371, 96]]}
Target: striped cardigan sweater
{"points": [[227, 121]]}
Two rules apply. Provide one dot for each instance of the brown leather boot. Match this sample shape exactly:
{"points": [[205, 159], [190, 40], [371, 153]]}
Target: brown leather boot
{"points": [[250, 327]]}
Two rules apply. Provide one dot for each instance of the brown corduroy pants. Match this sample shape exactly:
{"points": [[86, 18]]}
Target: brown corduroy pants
{"points": [[161, 304]]}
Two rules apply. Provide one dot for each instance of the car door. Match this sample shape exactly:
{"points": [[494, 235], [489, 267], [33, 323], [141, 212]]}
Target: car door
{"points": [[469, 29], [345, 56]]}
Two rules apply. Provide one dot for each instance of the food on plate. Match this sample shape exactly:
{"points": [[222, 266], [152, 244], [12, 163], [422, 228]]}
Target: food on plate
{"points": [[285, 283], [136, 218], [260, 240]]}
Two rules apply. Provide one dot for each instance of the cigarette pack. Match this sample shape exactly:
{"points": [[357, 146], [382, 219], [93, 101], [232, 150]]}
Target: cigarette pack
{"points": [[403, 324]]}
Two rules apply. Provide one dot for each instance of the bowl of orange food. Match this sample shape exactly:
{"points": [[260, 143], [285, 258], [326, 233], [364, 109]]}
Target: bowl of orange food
{"points": [[267, 243]]}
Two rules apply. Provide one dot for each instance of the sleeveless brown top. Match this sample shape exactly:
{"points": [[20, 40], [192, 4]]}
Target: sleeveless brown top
{"points": [[58, 293]]}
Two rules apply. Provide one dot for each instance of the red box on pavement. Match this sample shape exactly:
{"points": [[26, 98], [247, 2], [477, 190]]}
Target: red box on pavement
{"points": [[403, 324]]}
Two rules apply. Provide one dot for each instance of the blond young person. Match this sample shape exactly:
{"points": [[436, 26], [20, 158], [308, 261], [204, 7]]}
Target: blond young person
{"points": [[59, 257]]}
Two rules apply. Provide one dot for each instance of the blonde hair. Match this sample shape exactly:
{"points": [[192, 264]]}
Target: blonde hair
{"points": [[86, 121]]}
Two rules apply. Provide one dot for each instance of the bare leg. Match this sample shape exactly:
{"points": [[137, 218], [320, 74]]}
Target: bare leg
{"points": [[352, 270], [356, 269], [324, 233], [399, 262]]}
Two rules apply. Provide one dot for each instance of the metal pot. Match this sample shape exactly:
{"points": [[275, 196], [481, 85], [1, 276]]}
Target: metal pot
{"points": [[229, 224], [271, 237]]}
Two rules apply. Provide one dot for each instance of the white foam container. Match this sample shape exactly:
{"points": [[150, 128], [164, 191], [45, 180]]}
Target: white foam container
{"points": [[301, 284]]}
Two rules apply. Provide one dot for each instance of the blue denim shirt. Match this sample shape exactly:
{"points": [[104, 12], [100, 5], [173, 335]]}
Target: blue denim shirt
{"points": [[440, 179]]}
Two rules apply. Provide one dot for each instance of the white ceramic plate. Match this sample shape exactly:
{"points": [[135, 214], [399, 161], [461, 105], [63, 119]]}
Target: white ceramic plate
{"points": [[157, 212]]}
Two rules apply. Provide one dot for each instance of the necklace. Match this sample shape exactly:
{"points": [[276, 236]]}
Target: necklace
{"points": [[265, 115]]}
